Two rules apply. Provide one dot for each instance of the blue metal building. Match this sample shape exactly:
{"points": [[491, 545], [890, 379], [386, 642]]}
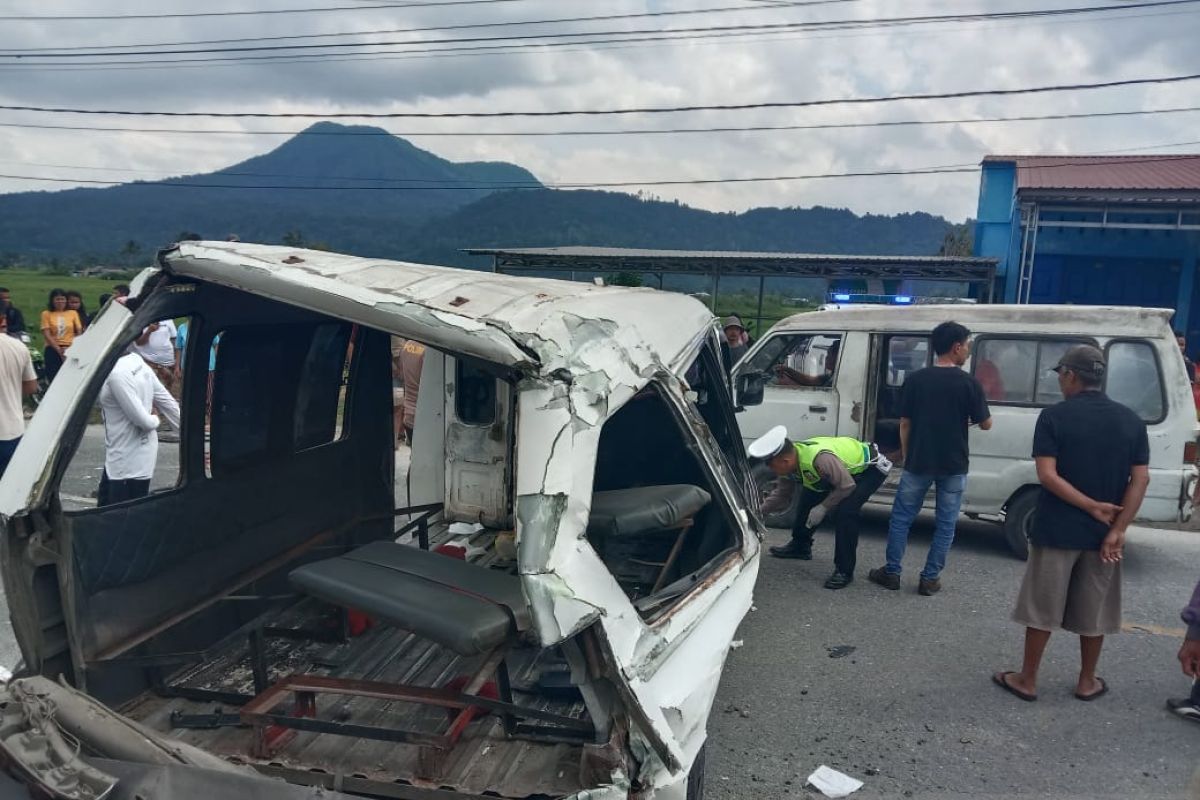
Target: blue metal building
{"points": [[1098, 230]]}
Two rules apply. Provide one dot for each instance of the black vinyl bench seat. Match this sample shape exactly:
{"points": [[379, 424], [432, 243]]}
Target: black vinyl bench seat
{"points": [[465, 607]]}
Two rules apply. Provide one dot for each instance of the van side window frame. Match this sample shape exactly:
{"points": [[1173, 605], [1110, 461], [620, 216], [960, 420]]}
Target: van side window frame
{"points": [[1162, 384], [732, 452], [838, 336], [891, 336], [1038, 368]]}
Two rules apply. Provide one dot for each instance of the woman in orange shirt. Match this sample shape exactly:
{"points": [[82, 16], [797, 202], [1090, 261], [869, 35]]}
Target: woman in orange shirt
{"points": [[60, 326]]}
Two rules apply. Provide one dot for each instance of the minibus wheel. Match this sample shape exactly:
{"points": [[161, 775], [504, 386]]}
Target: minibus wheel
{"points": [[1018, 520]]}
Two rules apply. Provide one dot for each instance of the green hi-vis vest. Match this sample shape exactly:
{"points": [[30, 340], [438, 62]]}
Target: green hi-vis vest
{"points": [[854, 454]]}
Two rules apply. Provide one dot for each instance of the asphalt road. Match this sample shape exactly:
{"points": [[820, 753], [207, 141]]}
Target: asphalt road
{"points": [[911, 710]]}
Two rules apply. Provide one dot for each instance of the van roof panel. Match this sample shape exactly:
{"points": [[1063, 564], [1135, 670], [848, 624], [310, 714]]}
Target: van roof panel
{"points": [[509, 320], [1050, 319]]}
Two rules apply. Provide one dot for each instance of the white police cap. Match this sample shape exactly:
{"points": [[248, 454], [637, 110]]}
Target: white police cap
{"points": [[769, 445]]}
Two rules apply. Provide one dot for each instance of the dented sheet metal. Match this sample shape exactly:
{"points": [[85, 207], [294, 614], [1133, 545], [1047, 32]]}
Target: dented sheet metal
{"points": [[509, 321], [25, 479], [577, 353]]}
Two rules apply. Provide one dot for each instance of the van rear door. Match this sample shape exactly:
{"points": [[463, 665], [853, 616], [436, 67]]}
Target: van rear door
{"points": [[479, 410]]}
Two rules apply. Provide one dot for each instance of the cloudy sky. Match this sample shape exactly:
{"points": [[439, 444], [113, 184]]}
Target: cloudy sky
{"points": [[696, 68]]}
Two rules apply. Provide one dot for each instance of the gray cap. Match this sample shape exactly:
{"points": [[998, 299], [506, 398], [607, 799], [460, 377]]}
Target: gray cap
{"points": [[1083, 359], [733, 322]]}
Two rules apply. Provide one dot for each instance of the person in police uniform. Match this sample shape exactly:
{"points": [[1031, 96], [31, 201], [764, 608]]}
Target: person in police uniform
{"points": [[836, 475]]}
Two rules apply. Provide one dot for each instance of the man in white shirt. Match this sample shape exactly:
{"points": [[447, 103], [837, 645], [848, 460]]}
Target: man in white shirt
{"points": [[17, 379], [128, 400], [159, 352]]}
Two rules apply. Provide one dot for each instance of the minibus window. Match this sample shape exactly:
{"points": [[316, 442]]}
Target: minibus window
{"points": [[1049, 353], [906, 355], [799, 360], [1006, 368], [320, 399], [1133, 379]]}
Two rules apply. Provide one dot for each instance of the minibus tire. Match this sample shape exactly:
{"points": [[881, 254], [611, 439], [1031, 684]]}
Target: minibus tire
{"points": [[695, 781], [1018, 518]]}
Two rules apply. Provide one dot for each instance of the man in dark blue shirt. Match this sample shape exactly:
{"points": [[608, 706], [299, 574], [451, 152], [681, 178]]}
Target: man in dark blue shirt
{"points": [[937, 406], [1092, 457]]}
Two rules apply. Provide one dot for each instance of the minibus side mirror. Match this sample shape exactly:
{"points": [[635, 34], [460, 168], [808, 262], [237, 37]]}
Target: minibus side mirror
{"points": [[750, 387]]}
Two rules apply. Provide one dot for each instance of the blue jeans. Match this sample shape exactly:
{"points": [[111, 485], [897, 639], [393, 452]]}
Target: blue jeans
{"points": [[909, 497]]}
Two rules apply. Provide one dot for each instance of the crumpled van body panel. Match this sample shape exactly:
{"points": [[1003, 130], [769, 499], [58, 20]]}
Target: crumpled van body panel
{"points": [[114, 597]]}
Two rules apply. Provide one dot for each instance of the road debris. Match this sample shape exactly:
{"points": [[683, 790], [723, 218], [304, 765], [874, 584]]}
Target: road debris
{"points": [[832, 783]]}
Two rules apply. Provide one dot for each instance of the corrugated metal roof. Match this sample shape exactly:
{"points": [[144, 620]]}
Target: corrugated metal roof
{"points": [[1137, 173], [732, 255]]}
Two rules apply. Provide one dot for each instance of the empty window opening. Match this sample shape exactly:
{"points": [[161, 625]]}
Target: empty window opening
{"points": [[130, 447], [657, 521], [275, 391]]}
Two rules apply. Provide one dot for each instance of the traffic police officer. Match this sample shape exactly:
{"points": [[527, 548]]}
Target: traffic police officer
{"points": [[836, 474]]}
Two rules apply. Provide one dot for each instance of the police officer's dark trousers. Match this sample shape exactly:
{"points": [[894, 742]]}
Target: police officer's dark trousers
{"points": [[845, 518]]}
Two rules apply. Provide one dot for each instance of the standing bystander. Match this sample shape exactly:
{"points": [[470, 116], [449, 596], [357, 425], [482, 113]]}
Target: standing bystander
{"points": [[161, 354], [130, 396], [12, 315], [735, 337], [1091, 455], [398, 431], [1188, 365], [412, 360], [60, 326], [1189, 659], [75, 303], [17, 379], [937, 406]]}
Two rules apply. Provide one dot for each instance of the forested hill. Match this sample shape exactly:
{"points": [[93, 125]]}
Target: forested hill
{"points": [[368, 193]]}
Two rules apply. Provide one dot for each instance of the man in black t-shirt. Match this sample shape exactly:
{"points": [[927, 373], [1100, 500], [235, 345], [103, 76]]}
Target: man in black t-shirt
{"points": [[937, 406], [1092, 455]]}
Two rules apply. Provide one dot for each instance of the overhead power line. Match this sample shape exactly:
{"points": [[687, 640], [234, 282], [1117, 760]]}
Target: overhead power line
{"points": [[501, 186], [567, 38], [526, 48], [837, 101], [108, 48], [249, 13], [620, 131]]}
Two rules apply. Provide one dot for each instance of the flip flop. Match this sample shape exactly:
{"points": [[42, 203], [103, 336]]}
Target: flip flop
{"points": [[1001, 680], [1103, 690]]}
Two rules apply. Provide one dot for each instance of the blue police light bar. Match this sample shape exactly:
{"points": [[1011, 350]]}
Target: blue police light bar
{"points": [[873, 299]]}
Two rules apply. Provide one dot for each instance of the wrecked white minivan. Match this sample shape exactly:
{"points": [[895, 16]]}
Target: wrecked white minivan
{"points": [[268, 611]]}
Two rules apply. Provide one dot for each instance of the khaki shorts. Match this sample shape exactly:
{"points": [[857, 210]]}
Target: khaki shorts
{"points": [[1070, 589]]}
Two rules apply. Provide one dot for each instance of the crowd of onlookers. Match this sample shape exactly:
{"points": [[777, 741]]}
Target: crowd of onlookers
{"points": [[65, 317]]}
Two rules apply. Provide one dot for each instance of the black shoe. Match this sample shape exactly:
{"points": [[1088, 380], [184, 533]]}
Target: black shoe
{"points": [[793, 550], [929, 587], [884, 578], [838, 580], [1184, 708]]}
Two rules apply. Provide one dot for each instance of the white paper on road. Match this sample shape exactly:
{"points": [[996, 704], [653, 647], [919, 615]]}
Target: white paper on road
{"points": [[832, 783]]}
